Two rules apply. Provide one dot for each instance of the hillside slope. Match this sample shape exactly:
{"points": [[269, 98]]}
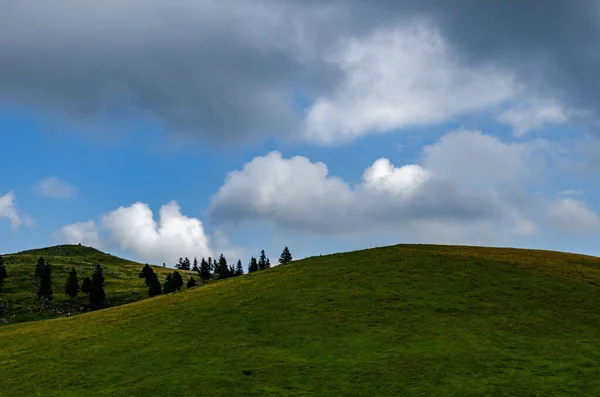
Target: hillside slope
{"points": [[403, 320], [18, 302]]}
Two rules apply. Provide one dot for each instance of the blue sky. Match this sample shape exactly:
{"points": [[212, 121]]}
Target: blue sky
{"points": [[406, 130]]}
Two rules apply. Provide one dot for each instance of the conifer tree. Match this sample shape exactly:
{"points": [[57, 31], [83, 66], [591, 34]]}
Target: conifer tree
{"points": [[39, 267], [3, 273], [253, 265], [45, 281], [153, 284], [168, 285], [146, 270], [268, 264], [195, 268], [286, 256], [72, 284], [239, 270], [204, 270], [210, 265], [191, 283], [97, 296], [223, 270], [231, 271], [86, 285], [185, 265], [179, 265], [177, 281], [262, 260]]}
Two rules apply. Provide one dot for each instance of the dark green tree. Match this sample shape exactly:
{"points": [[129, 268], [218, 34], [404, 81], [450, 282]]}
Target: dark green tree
{"points": [[268, 264], [97, 296], [231, 271], [204, 270], [45, 281], [191, 283], [223, 269], [3, 273], [177, 281], [210, 265], [86, 285], [239, 270], [168, 284], [253, 265], [262, 260], [179, 265], [185, 265], [286, 256], [146, 270], [195, 268], [72, 284], [39, 267], [153, 284]]}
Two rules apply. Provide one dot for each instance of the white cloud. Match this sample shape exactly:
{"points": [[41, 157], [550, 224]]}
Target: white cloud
{"points": [[8, 209], [300, 195], [85, 233], [54, 187], [534, 117], [175, 235], [399, 78], [572, 215], [570, 192]]}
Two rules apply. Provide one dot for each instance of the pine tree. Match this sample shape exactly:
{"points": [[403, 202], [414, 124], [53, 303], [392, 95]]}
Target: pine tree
{"points": [[286, 256], [195, 267], [210, 265], [231, 271], [253, 265], [268, 264], [153, 284], [191, 283], [168, 285], [223, 270], [146, 270], [3, 273], [86, 285], [179, 265], [39, 267], [239, 270], [97, 296], [204, 270], [72, 284], [177, 281], [45, 281], [185, 265], [262, 260]]}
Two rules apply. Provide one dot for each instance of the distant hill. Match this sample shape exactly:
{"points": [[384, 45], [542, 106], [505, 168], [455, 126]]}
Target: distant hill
{"points": [[405, 320], [18, 302]]}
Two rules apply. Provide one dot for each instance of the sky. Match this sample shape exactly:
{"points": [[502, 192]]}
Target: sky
{"points": [[157, 130]]}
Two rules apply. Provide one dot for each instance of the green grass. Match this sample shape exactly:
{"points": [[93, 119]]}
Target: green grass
{"points": [[18, 302], [405, 320]]}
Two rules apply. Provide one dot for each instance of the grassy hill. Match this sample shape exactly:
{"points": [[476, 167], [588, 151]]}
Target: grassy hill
{"points": [[404, 320], [18, 302]]}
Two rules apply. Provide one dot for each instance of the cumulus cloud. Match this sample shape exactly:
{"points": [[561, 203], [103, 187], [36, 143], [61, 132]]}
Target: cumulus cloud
{"points": [[54, 187], [8, 209], [398, 78], [85, 233], [573, 216], [298, 194], [174, 235]]}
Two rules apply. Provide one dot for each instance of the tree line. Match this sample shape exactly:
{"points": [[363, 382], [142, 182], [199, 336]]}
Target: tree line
{"points": [[207, 269]]}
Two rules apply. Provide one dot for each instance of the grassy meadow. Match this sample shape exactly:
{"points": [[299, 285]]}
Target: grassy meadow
{"points": [[404, 320]]}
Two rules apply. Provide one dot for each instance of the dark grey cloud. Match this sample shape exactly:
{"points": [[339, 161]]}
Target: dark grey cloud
{"points": [[237, 70]]}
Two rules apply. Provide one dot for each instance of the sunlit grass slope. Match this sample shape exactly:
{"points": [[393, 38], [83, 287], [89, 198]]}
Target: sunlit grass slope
{"points": [[18, 302], [403, 320]]}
